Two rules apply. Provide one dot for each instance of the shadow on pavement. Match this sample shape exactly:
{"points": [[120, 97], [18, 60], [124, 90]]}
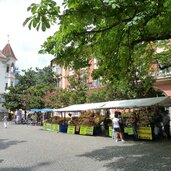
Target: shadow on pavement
{"points": [[4, 143], [148, 156], [31, 168]]}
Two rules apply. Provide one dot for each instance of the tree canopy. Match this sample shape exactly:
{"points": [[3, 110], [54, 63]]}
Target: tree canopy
{"points": [[32, 86], [120, 34]]}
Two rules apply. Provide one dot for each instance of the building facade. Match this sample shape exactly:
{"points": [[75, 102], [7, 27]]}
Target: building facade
{"points": [[64, 73], [162, 77], [7, 71]]}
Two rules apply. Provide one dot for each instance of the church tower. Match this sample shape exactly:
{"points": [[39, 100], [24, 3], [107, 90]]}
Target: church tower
{"points": [[7, 71]]}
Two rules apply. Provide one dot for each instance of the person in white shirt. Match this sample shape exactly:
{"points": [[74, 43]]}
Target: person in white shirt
{"points": [[116, 127], [5, 118]]}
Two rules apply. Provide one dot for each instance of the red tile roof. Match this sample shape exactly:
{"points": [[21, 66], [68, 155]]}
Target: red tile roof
{"points": [[8, 52], [1, 55]]}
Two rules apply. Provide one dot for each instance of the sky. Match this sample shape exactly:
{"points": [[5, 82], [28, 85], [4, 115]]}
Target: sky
{"points": [[24, 42]]}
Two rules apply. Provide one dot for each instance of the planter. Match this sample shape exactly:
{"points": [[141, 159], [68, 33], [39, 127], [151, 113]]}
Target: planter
{"points": [[63, 128], [97, 130]]}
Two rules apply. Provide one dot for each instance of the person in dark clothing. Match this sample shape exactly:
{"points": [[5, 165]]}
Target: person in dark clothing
{"points": [[106, 122], [134, 121], [106, 126], [166, 124]]}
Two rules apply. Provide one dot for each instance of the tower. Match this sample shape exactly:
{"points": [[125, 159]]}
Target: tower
{"points": [[7, 71]]}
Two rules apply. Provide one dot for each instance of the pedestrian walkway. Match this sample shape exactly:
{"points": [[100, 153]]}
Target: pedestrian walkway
{"points": [[30, 148]]}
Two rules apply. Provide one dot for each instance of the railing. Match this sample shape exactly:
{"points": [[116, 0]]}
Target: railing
{"points": [[165, 73]]}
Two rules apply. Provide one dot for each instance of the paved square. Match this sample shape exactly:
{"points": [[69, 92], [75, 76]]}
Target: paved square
{"points": [[30, 148]]}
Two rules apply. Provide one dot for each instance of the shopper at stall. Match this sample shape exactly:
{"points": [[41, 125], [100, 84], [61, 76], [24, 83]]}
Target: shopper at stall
{"points": [[134, 121], [106, 122], [121, 123], [158, 126], [116, 127], [166, 123]]}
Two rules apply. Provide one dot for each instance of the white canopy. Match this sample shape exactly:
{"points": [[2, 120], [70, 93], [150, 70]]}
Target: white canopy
{"points": [[162, 101], [80, 107], [144, 102]]}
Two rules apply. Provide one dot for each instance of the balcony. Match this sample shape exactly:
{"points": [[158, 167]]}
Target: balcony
{"points": [[165, 73], [163, 77]]}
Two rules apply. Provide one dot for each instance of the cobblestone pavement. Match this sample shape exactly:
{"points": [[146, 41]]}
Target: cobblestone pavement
{"points": [[30, 148]]}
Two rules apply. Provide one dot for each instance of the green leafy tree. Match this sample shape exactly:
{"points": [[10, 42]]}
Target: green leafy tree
{"points": [[118, 33], [77, 89], [56, 99], [31, 87]]}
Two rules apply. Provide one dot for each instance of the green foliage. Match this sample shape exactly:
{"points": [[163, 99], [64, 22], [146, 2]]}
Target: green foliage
{"points": [[31, 87], [119, 33], [77, 89]]}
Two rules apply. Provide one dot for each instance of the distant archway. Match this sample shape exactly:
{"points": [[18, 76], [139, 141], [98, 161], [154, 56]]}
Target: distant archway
{"points": [[163, 85]]}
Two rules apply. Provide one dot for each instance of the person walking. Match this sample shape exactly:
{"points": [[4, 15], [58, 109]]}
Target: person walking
{"points": [[116, 127], [5, 118]]}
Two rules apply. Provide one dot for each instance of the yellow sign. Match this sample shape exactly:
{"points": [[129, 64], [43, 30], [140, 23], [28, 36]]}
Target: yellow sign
{"points": [[128, 130], [47, 126], [145, 133], [110, 131], [71, 130], [55, 127], [86, 130]]}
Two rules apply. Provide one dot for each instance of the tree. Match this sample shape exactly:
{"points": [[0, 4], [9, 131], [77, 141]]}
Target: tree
{"points": [[119, 33], [77, 88], [31, 87]]}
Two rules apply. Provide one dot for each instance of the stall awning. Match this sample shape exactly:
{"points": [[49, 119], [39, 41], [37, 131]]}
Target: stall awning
{"points": [[132, 103], [80, 107], [42, 110], [144, 102]]}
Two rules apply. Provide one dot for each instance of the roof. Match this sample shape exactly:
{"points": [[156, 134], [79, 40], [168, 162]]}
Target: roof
{"points": [[8, 52], [80, 107], [42, 110], [2, 55], [133, 103], [143, 102]]}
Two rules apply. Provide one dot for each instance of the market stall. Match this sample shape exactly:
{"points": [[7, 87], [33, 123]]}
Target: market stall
{"points": [[89, 118], [146, 110], [86, 122]]}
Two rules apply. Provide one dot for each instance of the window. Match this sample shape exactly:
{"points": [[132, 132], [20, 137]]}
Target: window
{"points": [[12, 83], [12, 67], [8, 68], [6, 85], [58, 70]]}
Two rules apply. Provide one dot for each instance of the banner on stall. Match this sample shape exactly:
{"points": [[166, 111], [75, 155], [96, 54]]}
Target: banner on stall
{"points": [[71, 129], [128, 130], [55, 127], [47, 126], [86, 130], [145, 133], [51, 127], [110, 131]]}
